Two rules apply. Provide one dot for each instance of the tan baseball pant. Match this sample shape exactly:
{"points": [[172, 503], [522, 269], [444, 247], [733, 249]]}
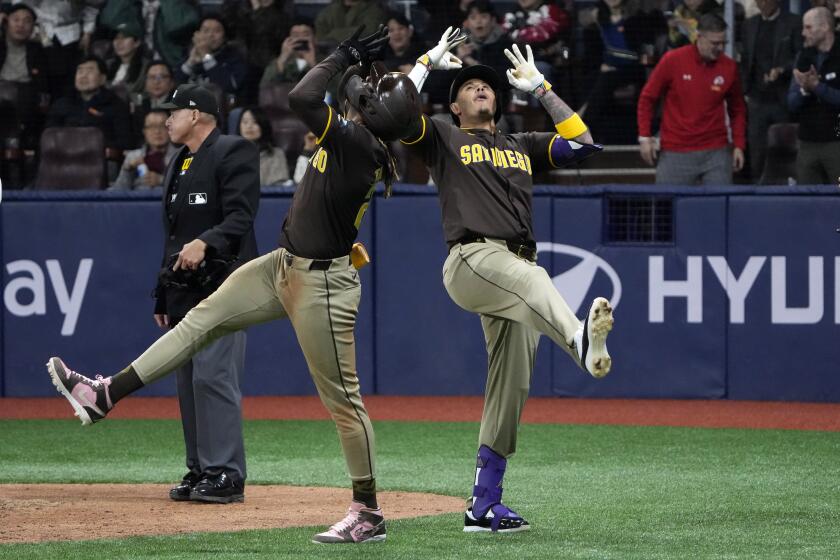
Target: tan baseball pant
{"points": [[516, 301], [322, 306]]}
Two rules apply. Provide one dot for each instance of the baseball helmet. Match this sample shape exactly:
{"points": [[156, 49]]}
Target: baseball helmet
{"points": [[477, 72], [388, 101]]}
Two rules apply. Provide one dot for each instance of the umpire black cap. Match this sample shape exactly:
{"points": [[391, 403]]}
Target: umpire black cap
{"points": [[477, 72], [193, 96]]}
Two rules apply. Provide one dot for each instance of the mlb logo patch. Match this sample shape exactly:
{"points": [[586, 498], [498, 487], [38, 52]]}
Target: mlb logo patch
{"points": [[198, 198]]}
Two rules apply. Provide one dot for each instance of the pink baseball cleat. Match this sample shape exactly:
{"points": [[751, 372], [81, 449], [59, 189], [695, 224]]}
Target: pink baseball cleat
{"points": [[362, 524], [90, 398]]}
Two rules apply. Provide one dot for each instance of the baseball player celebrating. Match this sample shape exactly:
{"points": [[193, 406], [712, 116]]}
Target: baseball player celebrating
{"points": [[309, 279], [485, 181]]}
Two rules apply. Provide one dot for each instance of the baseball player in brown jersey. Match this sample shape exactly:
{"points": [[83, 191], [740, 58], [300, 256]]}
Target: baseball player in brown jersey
{"points": [[309, 280], [485, 181]]}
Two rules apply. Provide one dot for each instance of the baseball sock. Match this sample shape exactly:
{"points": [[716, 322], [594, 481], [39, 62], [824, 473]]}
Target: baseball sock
{"points": [[489, 472], [124, 383], [364, 491]]}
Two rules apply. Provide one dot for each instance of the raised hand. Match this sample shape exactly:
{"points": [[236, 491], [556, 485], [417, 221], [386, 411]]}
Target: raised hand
{"points": [[524, 75], [439, 58], [364, 49]]}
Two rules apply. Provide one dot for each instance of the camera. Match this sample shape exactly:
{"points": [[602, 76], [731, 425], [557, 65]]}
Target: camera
{"points": [[302, 45]]}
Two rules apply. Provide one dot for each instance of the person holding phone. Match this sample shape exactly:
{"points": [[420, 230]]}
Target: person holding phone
{"points": [[297, 55]]}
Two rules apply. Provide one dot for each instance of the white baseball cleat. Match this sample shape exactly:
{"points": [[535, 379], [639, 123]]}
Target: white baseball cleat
{"points": [[591, 339]]}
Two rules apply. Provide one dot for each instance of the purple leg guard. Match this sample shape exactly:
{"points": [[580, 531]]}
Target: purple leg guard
{"points": [[489, 472]]}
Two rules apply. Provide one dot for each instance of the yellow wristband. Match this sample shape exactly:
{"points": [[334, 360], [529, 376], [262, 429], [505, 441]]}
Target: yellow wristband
{"points": [[571, 127], [425, 61]]}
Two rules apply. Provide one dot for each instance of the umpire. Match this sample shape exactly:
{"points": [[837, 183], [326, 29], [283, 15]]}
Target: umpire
{"points": [[211, 195]]}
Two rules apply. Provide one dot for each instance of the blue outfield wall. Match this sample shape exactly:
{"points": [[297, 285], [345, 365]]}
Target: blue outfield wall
{"points": [[744, 304]]}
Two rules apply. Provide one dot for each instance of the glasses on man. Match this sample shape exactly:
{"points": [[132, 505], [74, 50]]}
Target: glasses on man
{"points": [[158, 77]]}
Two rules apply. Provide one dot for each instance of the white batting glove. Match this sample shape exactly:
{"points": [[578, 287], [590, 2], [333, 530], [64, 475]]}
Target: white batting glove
{"points": [[439, 58], [524, 75]]}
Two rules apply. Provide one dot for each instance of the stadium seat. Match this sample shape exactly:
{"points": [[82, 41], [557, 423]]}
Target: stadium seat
{"points": [[782, 147], [72, 158], [274, 98]]}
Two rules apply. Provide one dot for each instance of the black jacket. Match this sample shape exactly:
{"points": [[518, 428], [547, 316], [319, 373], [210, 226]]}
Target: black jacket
{"points": [[216, 201], [104, 110], [787, 41]]}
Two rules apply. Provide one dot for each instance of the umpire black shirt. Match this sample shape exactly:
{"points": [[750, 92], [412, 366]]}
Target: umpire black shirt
{"points": [[212, 195]]}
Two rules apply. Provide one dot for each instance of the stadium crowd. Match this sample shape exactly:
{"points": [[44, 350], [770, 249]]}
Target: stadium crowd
{"points": [[633, 69]]}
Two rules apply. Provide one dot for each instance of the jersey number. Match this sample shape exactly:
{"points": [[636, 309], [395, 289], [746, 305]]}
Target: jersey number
{"points": [[319, 160]]}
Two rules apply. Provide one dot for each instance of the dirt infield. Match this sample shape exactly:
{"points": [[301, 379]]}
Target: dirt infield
{"points": [[62, 512], [694, 413], [37, 512]]}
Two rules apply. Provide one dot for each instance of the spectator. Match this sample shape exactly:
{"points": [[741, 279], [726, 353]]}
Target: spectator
{"points": [[167, 25], [537, 22], [771, 40], [255, 126], [682, 26], [814, 95], [212, 59], [297, 55], [23, 63], [94, 105], [700, 84], [144, 167], [127, 69], [257, 27], [835, 11], [626, 35], [340, 19], [302, 163], [487, 41], [158, 86], [403, 49], [442, 15], [64, 29]]}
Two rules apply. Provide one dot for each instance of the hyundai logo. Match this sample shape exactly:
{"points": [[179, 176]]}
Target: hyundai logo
{"points": [[575, 282]]}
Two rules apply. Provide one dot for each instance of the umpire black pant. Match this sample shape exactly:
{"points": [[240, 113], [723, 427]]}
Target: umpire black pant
{"points": [[211, 407]]}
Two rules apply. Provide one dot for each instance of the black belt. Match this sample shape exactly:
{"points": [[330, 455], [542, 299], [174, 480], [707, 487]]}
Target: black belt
{"points": [[526, 252], [315, 264]]}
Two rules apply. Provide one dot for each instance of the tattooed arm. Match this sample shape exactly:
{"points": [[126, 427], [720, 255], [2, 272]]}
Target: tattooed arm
{"points": [[559, 112], [524, 76]]}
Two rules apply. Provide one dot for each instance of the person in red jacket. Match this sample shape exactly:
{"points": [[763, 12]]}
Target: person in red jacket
{"points": [[700, 85]]}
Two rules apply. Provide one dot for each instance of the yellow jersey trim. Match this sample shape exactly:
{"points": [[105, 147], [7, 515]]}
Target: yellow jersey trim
{"points": [[326, 128], [550, 144], [422, 134]]}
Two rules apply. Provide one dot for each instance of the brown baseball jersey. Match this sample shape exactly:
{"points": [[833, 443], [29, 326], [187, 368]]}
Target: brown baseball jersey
{"points": [[331, 199], [485, 179]]}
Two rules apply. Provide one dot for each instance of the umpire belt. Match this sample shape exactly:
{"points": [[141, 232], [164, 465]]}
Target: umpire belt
{"points": [[315, 264], [526, 252]]}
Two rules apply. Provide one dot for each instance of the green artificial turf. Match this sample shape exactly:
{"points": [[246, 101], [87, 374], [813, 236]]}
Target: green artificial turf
{"points": [[588, 491]]}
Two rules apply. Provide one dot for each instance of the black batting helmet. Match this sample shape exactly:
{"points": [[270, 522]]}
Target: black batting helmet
{"points": [[388, 101], [477, 72]]}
